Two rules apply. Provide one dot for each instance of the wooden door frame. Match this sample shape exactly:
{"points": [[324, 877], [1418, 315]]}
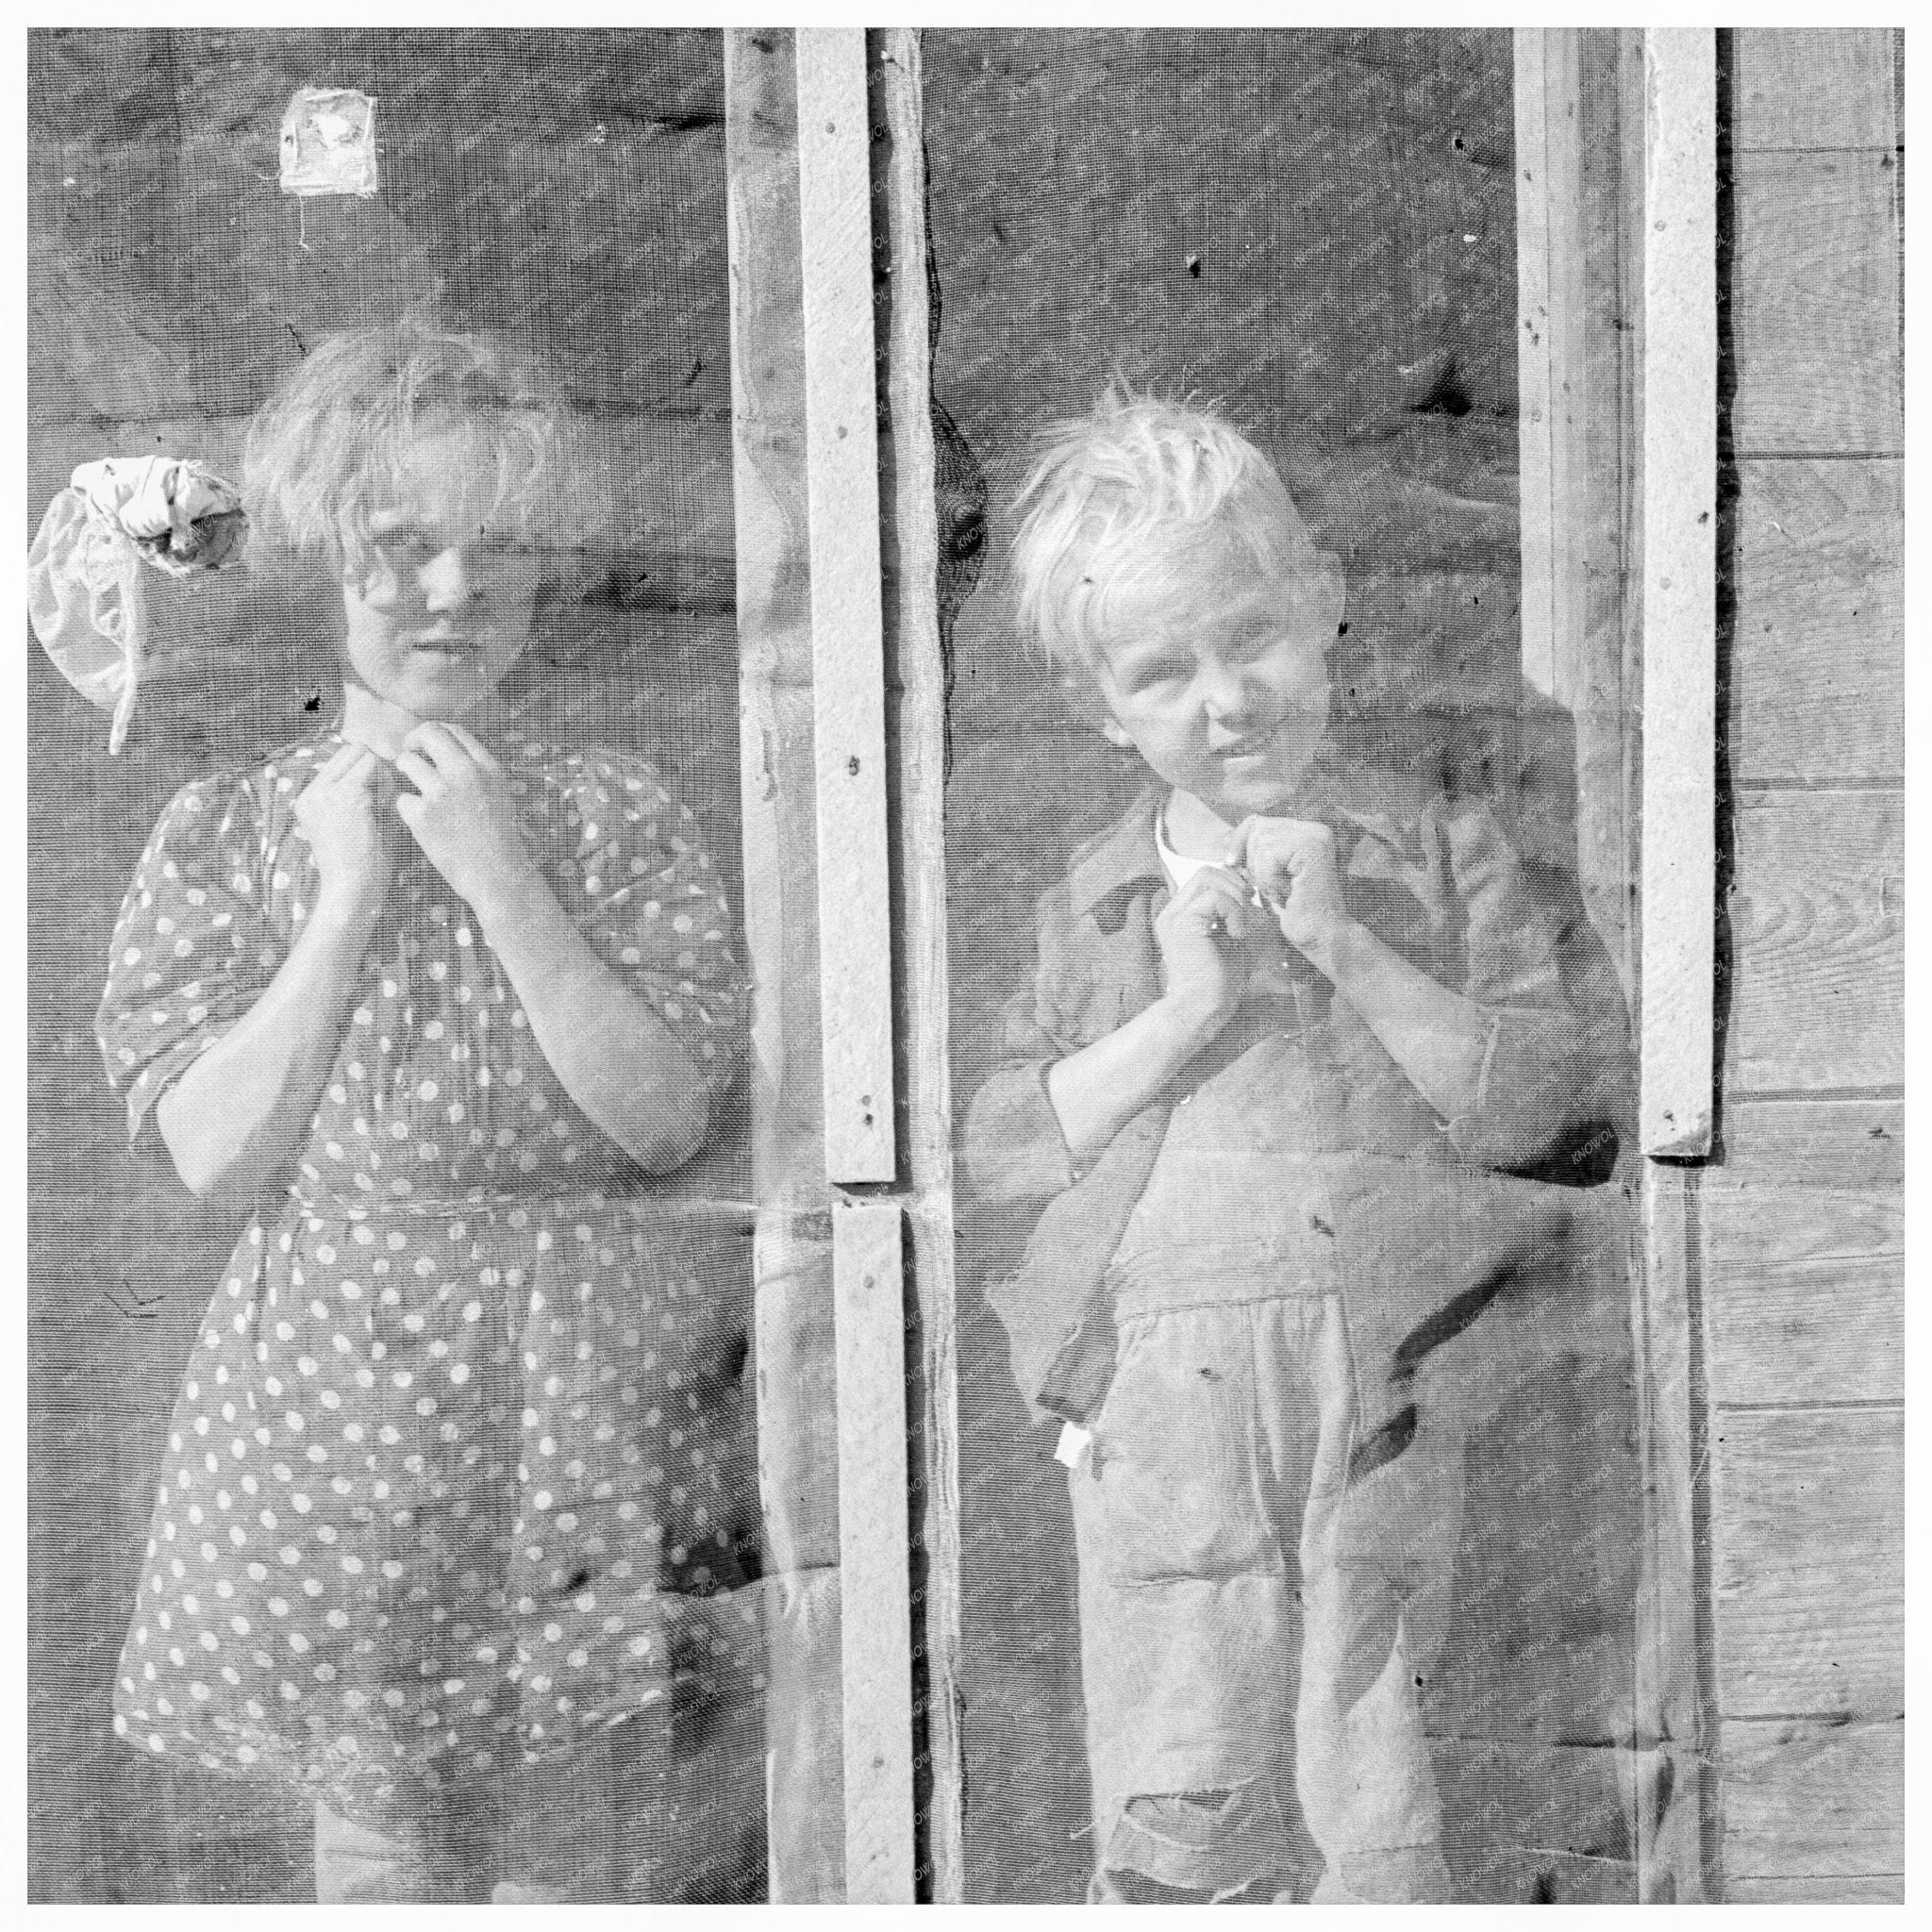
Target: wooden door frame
{"points": [[904, 1755]]}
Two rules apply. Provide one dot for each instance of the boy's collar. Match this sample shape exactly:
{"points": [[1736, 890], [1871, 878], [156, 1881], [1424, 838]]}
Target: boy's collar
{"points": [[1123, 855], [1126, 854]]}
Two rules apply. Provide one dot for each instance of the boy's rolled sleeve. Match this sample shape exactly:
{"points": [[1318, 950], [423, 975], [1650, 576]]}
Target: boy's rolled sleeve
{"points": [[1543, 1074], [1529, 1098], [1015, 1147]]}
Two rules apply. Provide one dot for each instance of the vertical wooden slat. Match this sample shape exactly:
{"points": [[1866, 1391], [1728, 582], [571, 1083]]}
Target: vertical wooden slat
{"points": [[815, 707], [916, 698], [1669, 1744], [773, 593], [1677, 410], [1577, 119], [797, 1410], [1551, 430], [1575, 104], [868, 1291], [1535, 481], [1680, 590], [848, 664]]}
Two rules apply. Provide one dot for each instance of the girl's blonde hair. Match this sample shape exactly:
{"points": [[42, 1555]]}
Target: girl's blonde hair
{"points": [[1135, 491], [337, 435]]}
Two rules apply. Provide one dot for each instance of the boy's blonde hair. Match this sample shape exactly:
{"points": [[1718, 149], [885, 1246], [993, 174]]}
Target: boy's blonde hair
{"points": [[336, 435], [1136, 488]]}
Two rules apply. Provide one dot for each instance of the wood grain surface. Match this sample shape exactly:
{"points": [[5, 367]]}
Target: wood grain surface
{"points": [[1851, 1143], [1816, 304], [1882, 1889], [1810, 1566], [1817, 919], [1815, 87], [1801, 1223], [1818, 671], [1813, 1801], [1805, 1294], [1804, 1252]]}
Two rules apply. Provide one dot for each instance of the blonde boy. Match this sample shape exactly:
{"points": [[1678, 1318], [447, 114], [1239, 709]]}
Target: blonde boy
{"points": [[1287, 1044]]}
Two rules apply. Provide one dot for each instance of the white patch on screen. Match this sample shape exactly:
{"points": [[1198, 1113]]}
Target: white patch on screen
{"points": [[328, 143]]}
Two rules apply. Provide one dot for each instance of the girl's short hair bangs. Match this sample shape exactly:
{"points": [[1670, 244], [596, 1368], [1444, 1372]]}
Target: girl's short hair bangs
{"points": [[338, 434]]}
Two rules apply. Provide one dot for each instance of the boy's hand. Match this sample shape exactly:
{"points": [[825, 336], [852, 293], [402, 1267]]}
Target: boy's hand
{"points": [[1291, 862], [1200, 932]]}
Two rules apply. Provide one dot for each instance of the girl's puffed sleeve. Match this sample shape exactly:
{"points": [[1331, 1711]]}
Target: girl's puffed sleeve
{"points": [[656, 911], [193, 947]]}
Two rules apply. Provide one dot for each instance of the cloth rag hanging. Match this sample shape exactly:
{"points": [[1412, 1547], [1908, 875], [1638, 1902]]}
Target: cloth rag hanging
{"points": [[87, 593]]}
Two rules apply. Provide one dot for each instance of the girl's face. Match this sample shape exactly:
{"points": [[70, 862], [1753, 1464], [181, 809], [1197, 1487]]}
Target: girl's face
{"points": [[436, 601]]}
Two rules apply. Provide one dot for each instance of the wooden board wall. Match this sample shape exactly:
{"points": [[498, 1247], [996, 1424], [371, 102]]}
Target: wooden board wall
{"points": [[1800, 1213]]}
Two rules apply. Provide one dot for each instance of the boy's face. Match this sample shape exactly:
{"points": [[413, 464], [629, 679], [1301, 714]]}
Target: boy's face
{"points": [[1223, 692]]}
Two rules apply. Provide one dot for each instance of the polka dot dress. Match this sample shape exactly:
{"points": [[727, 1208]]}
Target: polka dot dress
{"points": [[449, 1483]]}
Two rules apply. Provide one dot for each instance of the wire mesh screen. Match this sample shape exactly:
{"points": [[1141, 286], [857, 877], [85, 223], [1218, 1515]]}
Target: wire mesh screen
{"points": [[384, 1604], [1343, 1396]]}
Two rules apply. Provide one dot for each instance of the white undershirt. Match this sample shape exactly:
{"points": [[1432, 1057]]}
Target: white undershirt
{"points": [[1178, 868]]}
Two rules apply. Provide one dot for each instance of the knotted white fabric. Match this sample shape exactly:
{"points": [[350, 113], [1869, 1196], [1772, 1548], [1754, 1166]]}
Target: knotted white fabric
{"points": [[87, 597]]}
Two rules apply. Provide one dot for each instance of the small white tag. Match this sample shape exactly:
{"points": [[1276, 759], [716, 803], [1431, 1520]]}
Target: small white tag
{"points": [[328, 143], [1073, 1445]]}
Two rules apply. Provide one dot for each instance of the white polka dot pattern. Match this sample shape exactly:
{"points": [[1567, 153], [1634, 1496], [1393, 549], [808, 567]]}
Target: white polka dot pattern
{"points": [[452, 1479]]}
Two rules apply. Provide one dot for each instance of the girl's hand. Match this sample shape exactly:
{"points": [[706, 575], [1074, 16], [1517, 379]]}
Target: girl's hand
{"points": [[1200, 932], [337, 812], [1291, 862], [464, 816]]}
